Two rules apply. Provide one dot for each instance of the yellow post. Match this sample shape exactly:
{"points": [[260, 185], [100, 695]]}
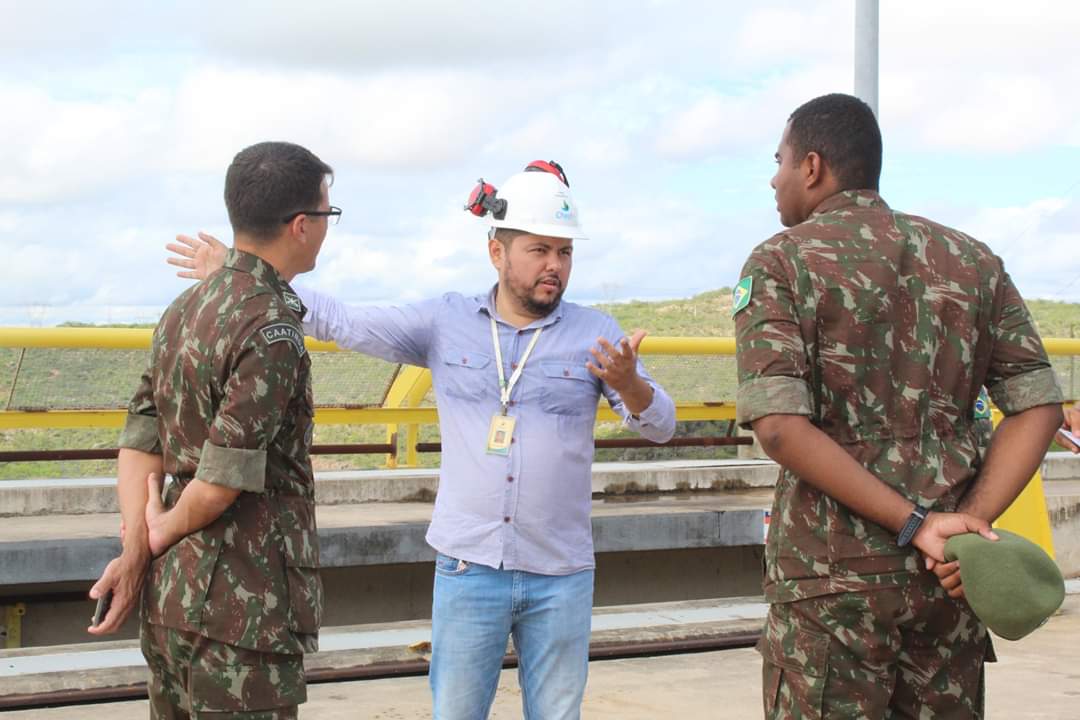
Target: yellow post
{"points": [[1027, 516], [13, 625], [408, 390]]}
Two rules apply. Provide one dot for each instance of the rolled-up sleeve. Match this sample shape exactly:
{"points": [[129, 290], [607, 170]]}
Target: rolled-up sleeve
{"points": [[235, 468], [141, 425], [1020, 375], [769, 350]]}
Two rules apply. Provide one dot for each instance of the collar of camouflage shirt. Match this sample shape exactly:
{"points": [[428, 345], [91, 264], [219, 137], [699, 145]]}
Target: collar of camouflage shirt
{"points": [[265, 272], [850, 198]]}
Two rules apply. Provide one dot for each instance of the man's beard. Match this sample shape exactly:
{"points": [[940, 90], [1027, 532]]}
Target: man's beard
{"points": [[541, 309], [530, 304]]}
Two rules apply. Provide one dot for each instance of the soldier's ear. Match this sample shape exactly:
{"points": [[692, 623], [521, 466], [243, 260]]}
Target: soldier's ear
{"points": [[297, 226], [813, 169]]}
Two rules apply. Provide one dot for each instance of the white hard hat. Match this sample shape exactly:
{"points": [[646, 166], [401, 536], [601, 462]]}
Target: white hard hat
{"points": [[533, 202]]}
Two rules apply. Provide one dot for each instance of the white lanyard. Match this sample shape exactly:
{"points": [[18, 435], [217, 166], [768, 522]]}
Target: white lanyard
{"points": [[505, 388]]}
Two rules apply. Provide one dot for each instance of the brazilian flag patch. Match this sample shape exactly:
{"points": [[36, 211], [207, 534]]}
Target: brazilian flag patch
{"points": [[740, 296], [982, 406]]}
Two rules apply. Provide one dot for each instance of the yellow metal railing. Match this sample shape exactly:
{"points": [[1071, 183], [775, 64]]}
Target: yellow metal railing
{"points": [[139, 339], [403, 398], [400, 407]]}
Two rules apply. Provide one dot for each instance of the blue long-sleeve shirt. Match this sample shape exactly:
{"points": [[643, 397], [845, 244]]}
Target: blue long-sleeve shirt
{"points": [[528, 510]]}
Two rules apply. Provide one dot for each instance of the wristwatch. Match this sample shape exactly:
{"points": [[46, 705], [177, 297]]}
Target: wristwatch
{"points": [[914, 522]]}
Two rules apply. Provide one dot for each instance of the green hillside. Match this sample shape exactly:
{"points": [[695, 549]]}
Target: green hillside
{"points": [[102, 378]]}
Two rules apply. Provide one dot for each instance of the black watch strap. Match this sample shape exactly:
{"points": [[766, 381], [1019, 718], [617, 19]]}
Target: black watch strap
{"points": [[914, 522]]}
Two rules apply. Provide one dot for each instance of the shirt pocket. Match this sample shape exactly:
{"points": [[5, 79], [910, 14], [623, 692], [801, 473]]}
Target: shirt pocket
{"points": [[569, 388], [466, 374], [300, 555]]}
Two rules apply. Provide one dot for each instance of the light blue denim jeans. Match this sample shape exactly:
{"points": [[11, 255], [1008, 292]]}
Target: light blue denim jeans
{"points": [[475, 610]]}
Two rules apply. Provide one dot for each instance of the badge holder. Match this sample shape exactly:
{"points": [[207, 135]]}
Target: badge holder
{"points": [[501, 431]]}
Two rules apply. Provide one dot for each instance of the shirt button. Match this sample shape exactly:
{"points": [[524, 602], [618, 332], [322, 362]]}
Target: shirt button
{"points": [[513, 440], [464, 361], [506, 519], [513, 366], [509, 478]]}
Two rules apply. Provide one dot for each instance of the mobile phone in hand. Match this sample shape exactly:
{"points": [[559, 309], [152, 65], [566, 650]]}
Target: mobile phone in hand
{"points": [[103, 604], [1074, 439]]}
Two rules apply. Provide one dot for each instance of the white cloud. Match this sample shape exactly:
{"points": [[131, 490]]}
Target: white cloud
{"points": [[1049, 224], [73, 146], [120, 125]]}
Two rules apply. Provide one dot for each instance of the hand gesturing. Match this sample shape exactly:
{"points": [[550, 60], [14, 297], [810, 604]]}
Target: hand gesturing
{"points": [[617, 366], [200, 257]]}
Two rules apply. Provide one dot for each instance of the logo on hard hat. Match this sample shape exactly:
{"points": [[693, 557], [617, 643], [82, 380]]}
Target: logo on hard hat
{"points": [[565, 212]]}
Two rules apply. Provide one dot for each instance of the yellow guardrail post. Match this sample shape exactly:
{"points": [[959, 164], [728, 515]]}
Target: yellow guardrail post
{"points": [[408, 390], [13, 615], [1028, 516]]}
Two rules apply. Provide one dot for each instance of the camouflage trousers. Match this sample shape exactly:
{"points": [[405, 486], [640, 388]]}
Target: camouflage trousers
{"points": [[901, 652], [193, 677]]}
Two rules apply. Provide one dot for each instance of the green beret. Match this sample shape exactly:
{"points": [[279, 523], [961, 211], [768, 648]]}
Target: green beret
{"points": [[1012, 585]]}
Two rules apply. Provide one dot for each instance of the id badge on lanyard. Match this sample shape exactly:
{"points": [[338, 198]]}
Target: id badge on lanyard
{"points": [[500, 434], [501, 431]]}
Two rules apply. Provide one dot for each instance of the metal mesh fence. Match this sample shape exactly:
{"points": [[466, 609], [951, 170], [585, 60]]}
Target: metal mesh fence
{"points": [[94, 379]]}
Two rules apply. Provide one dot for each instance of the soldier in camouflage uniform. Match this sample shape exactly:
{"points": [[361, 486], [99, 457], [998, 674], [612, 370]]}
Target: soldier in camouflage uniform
{"points": [[233, 597], [864, 336]]}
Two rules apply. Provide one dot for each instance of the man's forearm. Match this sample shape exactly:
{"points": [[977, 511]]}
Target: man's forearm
{"points": [[638, 397], [200, 504], [796, 444], [1017, 448], [133, 467]]}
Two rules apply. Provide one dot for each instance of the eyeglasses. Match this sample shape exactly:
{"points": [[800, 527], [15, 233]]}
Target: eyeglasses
{"points": [[332, 215]]}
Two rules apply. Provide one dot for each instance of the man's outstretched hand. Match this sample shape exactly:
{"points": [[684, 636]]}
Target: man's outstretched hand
{"points": [[198, 256]]}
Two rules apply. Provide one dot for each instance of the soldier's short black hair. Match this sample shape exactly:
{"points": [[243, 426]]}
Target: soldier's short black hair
{"points": [[842, 130], [269, 181]]}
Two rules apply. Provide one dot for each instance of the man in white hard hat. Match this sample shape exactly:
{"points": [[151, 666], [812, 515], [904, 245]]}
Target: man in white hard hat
{"points": [[517, 374]]}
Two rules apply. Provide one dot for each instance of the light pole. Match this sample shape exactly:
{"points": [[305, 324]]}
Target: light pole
{"points": [[866, 52]]}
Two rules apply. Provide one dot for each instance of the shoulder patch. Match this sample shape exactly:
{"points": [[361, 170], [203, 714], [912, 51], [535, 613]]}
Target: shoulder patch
{"points": [[740, 296], [982, 406], [284, 332], [292, 302]]}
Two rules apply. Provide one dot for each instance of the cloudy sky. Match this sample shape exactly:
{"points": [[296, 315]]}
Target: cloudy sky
{"points": [[119, 119]]}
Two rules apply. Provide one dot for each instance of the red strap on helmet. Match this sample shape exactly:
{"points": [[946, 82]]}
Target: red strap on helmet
{"points": [[549, 166]]}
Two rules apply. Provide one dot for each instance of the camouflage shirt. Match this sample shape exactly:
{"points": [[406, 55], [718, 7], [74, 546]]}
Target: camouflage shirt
{"points": [[881, 328], [227, 399]]}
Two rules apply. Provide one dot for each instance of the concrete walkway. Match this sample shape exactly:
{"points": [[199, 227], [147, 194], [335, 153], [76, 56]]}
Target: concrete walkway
{"points": [[1037, 678]]}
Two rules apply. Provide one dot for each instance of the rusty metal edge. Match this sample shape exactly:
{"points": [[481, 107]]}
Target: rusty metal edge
{"points": [[636, 443], [111, 453], [375, 671]]}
